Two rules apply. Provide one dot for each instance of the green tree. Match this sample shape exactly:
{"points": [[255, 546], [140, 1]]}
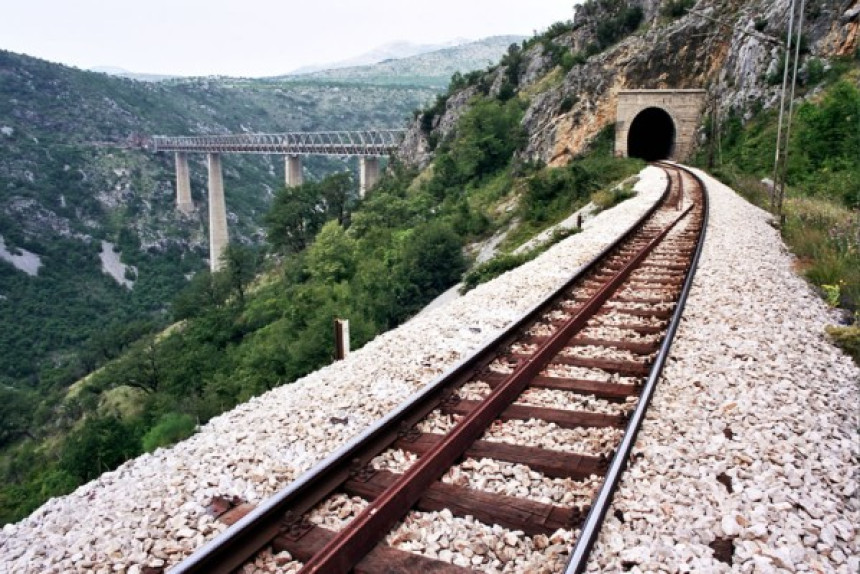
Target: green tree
{"points": [[487, 136], [101, 444], [16, 414], [432, 259], [298, 213], [139, 368], [830, 131], [337, 193], [203, 292], [294, 218], [239, 267], [171, 428], [331, 257]]}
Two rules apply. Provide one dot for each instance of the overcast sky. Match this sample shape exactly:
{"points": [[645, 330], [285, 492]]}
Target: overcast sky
{"points": [[250, 37]]}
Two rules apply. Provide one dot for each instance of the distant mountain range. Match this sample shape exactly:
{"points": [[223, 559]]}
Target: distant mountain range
{"points": [[123, 73], [427, 67], [397, 63], [391, 51]]}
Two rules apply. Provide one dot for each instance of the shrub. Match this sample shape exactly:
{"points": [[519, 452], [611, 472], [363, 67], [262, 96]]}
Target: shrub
{"points": [[677, 8], [101, 444], [611, 30], [606, 198], [571, 59], [848, 338], [491, 269], [566, 104], [814, 72], [504, 262], [171, 428]]}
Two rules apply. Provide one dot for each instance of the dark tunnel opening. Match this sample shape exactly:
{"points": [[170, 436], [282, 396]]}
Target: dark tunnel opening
{"points": [[651, 136]]}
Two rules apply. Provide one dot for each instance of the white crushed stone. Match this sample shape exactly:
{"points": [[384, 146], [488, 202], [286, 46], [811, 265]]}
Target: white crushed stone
{"points": [[469, 543], [132, 517], [112, 265], [26, 261], [749, 361]]}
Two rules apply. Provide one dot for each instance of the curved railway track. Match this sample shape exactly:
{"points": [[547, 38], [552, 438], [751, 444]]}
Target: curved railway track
{"points": [[555, 400]]}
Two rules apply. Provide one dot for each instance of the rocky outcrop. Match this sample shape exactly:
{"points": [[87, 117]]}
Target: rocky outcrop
{"points": [[729, 48]]}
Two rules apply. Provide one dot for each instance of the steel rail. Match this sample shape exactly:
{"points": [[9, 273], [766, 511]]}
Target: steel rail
{"points": [[593, 522], [230, 549], [357, 538]]}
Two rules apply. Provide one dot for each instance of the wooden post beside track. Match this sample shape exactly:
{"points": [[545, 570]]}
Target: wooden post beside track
{"points": [[341, 339]]}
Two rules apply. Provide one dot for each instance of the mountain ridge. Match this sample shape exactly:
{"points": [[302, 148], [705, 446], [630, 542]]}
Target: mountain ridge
{"points": [[396, 50]]}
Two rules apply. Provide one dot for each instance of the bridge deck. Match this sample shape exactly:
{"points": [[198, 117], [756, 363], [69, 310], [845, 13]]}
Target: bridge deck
{"points": [[341, 143]]}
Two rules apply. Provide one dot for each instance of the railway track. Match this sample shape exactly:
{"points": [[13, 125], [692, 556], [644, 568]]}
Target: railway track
{"points": [[527, 438]]}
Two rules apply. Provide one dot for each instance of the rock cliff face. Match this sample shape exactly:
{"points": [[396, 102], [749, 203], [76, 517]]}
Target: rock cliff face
{"points": [[728, 47]]}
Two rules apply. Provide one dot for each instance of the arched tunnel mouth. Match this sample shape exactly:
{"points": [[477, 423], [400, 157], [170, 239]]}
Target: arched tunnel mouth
{"points": [[651, 136]]}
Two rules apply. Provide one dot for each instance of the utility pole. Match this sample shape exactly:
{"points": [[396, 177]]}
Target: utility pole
{"points": [[780, 189], [715, 130]]}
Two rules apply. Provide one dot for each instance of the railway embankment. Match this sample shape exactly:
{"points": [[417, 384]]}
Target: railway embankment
{"points": [[748, 459], [750, 441]]}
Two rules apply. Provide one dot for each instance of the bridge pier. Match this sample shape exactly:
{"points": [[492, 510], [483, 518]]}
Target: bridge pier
{"points": [[368, 174], [218, 237], [183, 184], [293, 170]]}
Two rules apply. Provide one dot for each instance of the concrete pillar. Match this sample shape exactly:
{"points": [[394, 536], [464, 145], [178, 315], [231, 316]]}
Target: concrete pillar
{"points": [[293, 169], [368, 174], [183, 184], [217, 213]]}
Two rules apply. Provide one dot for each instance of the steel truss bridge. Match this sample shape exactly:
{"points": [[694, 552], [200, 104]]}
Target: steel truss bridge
{"points": [[367, 143]]}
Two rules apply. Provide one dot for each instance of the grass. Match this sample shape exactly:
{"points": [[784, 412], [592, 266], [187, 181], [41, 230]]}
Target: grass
{"points": [[824, 235], [848, 338], [607, 198]]}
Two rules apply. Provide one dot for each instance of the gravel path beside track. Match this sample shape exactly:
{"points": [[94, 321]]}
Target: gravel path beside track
{"points": [[752, 436]]}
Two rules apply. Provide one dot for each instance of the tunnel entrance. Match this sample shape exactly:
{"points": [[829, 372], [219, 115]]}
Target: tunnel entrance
{"points": [[651, 136]]}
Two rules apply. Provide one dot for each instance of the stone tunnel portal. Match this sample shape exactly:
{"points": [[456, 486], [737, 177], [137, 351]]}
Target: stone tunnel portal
{"points": [[652, 135], [658, 124]]}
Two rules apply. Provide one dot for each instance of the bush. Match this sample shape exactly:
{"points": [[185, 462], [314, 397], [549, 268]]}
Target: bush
{"points": [[571, 59], [491, 269], [677, 8], [567, 104], [101, 444], [611, 30], [604, 199], [487, 135], [171, 428], [848, 338], [433, 258], [814, 72]]}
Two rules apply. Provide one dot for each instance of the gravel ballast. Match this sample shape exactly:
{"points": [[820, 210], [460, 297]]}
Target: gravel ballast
{"points": [[751, 441], [752, 338]]}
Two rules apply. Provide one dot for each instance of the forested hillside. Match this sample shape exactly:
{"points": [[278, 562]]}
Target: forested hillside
{"points": [[74, 174]]}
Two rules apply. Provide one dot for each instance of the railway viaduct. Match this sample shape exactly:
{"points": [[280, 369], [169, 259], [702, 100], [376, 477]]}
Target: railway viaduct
{"points": [[650, 124], [657, 124], [368, 145]]}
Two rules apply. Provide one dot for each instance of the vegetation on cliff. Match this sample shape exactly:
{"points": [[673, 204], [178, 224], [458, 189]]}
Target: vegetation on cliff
{"points": [[821, 216]]}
